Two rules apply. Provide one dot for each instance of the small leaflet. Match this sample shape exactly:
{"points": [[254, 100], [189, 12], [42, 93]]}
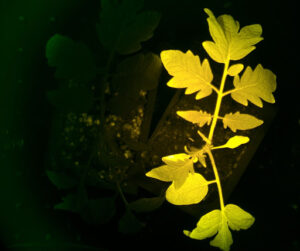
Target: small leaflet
{"points": [[177, 168], [235, 69], [240, 121], [223, 239], [254, 86], [234, 142], [197, 117], [188, 72], [207, 226], [238, 218]]}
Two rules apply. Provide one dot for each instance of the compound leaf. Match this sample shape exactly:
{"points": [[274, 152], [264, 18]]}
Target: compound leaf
{"points": [[177, 168], [234, 142], [217, 222], [254, 86], [147, 204], [207, 226], [230, 43], [238, 218], [188, 72], [123, 26], [240, 121], [197, 117], [193, 190], [73, 60]]}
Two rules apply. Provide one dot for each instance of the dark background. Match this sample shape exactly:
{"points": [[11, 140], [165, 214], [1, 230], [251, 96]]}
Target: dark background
{"points": [[269, 189]]}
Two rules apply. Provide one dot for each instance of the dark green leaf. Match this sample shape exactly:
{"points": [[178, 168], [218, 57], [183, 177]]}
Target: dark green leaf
{"points": [[139, 72], [61, 180], [74, 202], [129, 224], [69, 203], [99, 211], [147, 204], [123, 27], [73, 60], [74, 99], [136, 73]]}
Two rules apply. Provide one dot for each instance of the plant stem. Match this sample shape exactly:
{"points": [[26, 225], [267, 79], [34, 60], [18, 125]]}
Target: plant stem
{"points": [[211, 182], [122, 195], [212, 129], [212, 160], [219, 100]]}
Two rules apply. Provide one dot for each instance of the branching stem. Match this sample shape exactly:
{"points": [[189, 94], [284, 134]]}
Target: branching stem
{"points": [[229, 92], [212, 160], [212, 129], [219, 100]]}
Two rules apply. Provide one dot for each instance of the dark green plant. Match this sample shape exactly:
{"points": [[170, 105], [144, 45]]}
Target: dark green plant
{"points": [[100, 108]]}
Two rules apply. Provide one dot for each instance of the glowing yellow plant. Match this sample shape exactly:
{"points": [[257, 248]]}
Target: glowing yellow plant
{"points": [[188, 187]]}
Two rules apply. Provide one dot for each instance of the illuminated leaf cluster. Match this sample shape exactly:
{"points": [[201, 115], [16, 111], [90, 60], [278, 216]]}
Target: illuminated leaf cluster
{"points": [[188, 71], [218, 222]]}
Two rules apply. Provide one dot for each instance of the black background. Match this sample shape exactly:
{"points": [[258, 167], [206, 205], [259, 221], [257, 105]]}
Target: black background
{"points": [[270, 188]]}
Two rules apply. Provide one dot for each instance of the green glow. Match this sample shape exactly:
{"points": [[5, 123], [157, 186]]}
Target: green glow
{"points": [[188, 71]]}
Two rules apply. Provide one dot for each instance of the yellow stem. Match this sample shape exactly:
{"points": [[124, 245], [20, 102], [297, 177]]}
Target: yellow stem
{"points": [[212, 160], [219, 100], [211, 133]]}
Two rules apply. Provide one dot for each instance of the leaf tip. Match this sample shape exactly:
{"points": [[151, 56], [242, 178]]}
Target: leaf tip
{"points": [[208, 11], [186, 233]]}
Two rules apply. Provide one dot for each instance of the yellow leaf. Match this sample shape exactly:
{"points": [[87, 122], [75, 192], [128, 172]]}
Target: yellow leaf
{"points": [[177, 168], [196, 117], [188, 72], [162, 173], [178, 159], [207, 226], [230, 43], [238, 218], [193, 190], [217, 222], [234, 142], [235, 69], [240, 121], [223, 239], [197, 155], [254, 86]]}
